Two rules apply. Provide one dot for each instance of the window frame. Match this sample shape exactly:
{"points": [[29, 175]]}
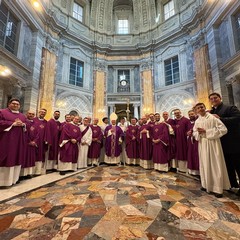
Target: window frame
{"points": [[170, 12], [172, 75], [76, 80], [236, 30], [79, 6], [124, 27], [9, 31], [127, 73]]}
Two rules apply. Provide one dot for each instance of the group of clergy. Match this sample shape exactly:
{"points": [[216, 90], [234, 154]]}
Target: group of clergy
{"points": [[32, 145]]}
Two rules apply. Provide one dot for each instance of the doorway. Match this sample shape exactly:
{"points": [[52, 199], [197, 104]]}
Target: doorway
{"points": [[121, 111]]}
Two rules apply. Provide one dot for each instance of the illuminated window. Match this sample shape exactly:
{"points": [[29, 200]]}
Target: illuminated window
{"points": [[78, 12], [8, 29], [76, 72], [123, 26], [237, 29], [168, 9], [171, 71]]}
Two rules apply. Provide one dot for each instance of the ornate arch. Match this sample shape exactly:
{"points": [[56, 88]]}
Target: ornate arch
{"points": [[67, 103], [180, 99]]}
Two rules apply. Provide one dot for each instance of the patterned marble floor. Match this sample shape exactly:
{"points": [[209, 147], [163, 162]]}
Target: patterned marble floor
{"points": [[120, 203]]}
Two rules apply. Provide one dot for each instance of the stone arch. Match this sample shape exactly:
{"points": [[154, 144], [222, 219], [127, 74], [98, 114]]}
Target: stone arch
{"points": [[67, 103], [180, 99]]}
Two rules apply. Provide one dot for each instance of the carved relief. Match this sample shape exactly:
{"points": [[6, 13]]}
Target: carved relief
{"points": [[144, 13], [153, 11], [94, 12], [110, 16], [136, 14], [101, 15], [168, 25], [63, 19]]}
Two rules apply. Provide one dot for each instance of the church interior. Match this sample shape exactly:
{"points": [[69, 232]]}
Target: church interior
{"points": [[132, 57]]}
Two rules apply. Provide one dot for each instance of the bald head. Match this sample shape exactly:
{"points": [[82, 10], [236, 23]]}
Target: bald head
{"points": [[30, 114]]}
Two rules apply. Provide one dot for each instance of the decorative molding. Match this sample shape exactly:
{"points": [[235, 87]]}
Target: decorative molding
{"points": [[64, 3], [100, 65]]}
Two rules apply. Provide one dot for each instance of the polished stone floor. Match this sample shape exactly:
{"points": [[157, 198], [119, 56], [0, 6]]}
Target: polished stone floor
{"points": [[120, 203]]}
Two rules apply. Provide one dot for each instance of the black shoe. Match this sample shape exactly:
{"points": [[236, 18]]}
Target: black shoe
{"points": [[218, 195], [203, 189], [230, 191], [238, 192], [62, 173], [173, 170], [18, 181]]}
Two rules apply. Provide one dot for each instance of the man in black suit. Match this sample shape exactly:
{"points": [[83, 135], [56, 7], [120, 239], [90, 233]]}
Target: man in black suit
{"points": [[230, 116]]}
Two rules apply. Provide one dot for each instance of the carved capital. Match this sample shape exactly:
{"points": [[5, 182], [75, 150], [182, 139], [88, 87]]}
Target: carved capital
{"points": [[232, 80], [146, 66], [52, 45], [198, 42], [100, 66]]}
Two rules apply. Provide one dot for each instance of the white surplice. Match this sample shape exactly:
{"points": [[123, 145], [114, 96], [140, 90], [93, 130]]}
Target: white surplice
{"points": [[83, 149], [213, 171]]}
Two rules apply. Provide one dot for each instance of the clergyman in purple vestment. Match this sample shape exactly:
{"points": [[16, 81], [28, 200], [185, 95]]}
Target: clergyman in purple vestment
{"points": [[96, 145], [113, 148], [52, 136], [28, 166], [172, 141], [181, 128], [41, 125], [132, 147], [69, 141], [192, 144], [12, 143], [145, 144], [160, 139]]}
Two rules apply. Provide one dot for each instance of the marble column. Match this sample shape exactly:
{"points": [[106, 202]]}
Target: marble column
{"points": [[99, 106], [203, 75], [47, 82], [147, 88]]}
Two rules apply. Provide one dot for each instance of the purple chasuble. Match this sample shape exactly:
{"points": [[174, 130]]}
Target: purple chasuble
{"points": [[145, 143], [12, 142], [181, 128], [52, 136], [96, 145], [192, 151], [172, 139], [31, 150], [160, 149], [132, 147], [112, 146], [69, 151], [42, 146]]}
